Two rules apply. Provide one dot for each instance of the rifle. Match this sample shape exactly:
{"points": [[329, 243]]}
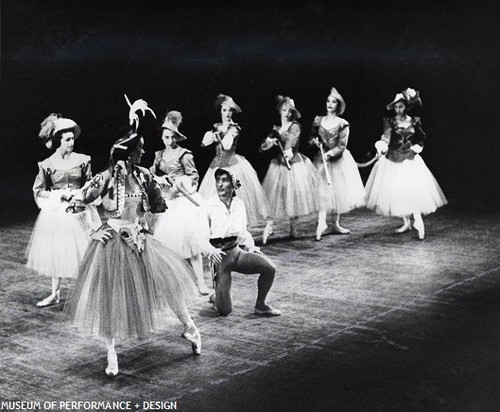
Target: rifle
{"points": [[287, 163], [324, 163], [181, 189]]}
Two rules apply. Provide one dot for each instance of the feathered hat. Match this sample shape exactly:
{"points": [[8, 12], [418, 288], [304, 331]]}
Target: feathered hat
{"points": [[335, 94], [138, 105], [410, 97], [55, 123], [223, 99], [282, 100], [172, 121]]}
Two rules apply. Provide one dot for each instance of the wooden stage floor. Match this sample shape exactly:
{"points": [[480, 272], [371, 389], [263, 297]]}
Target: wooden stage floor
{"points": [[371, 321]]}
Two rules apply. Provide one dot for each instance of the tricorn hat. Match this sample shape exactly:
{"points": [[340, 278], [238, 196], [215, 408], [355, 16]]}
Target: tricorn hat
{"points": [[223, 99], [410, 97], [282, 100], [334, 93], [172, 121]]}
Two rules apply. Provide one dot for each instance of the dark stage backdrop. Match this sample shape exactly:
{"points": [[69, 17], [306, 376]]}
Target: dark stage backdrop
{"points": [[79, 58]]}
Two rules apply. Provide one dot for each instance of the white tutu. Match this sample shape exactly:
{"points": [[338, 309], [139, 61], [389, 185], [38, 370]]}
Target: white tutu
{"points": [[178, 226], [58, 243], [122, 294], [292, 192], [251, 191], [403, 188], [346, 191]]}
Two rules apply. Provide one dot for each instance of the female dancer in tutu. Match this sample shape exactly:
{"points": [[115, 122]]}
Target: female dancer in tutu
{"points": [[225, 135], [342, 189], [126, 277], [175, 171], [400, 184], [58, 241], [291, 182]]}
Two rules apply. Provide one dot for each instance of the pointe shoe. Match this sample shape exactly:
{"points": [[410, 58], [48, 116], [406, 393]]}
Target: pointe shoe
{"points": [[268, 231], [192, 334], [112, 368], [211, 299], [419, 225], [269, 311], [53, 299], [320, 229], [405, 228], [341, 230]]}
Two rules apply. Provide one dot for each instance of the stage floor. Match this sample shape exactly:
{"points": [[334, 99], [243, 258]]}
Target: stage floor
{"points": [[371, 321]]}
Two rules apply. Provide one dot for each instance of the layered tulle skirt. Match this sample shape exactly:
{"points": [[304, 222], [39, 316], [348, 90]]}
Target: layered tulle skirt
{"points": [[345, 191], [251, 191], [403, 188], [293, 192], [178, 228], [58, 241], [121, 293]]}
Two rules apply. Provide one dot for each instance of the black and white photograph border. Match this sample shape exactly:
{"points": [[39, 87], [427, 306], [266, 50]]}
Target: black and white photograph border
{"points": [[372, 319]]}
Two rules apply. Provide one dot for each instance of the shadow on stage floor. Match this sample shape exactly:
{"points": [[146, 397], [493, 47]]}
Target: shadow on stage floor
{"points": [[371, 321]]}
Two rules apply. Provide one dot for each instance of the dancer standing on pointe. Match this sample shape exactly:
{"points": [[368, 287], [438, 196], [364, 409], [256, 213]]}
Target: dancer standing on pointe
{"points": [[400, 184], [225, 135], [58, 241], [175, 171], [342, 188], [127, 278], [291, 182], [231, 248]]}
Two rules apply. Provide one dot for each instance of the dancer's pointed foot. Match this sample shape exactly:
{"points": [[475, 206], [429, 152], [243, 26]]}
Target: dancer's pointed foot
{"points": [[419, 225], [112, 368], [53, 299], [322, 226], [405, 228], [340, 230], [192, 334], [268, 231]]}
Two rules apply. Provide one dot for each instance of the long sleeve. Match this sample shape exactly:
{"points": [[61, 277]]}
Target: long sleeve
{"points": [[341, 143], [228, 139], [291, 138], [156, 201], [187, 161], [386, 136], [202, 235], [208, 138], [419, 136], [41, 184], [314, 133], [97, 186]]}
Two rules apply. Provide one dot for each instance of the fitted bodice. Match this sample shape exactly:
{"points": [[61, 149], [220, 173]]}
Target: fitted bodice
{"points": [[169, 162], [330, 137], [401, 138]]}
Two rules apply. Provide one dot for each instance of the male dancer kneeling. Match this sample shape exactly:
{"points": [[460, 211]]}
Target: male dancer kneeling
{"points": [[227, 228]]}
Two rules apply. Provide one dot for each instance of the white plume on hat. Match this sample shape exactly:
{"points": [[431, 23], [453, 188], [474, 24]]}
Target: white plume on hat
{"points": [[55, 123]]}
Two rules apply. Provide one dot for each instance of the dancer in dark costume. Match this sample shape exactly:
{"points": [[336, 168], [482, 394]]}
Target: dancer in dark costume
{"points": [[127, 278], [401, 184]]}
